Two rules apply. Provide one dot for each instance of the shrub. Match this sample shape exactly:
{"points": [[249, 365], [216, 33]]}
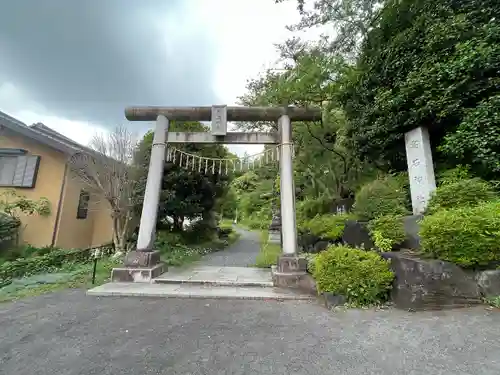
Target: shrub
{"points": [[45, 263], [15, 204], [225, 232], [165, 239], [381, 197], [8, 229], [329, 226], [450, 176], [29, 250], [467, 236], [225, 229], [311, 207], [363, 277], [259, 220], [494, 301], [467, 192], [226, 224], [387, 231], [199, 231]]}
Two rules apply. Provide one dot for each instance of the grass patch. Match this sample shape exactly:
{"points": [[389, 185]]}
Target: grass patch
{"points": [[269, 252], [74, 274], [69, 276]]}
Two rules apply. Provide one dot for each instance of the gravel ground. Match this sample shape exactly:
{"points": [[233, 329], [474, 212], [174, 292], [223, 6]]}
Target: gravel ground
{"points": [[70, 333]]}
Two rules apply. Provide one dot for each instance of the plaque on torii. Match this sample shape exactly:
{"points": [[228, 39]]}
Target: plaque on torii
{"points": [[219, 120]]}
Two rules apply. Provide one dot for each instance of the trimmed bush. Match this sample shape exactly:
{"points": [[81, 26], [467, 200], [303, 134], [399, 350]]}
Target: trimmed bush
{"points": [[385, 196], [461, 193], [466, 236], [387, 231], [328, 226], [363, 277]]}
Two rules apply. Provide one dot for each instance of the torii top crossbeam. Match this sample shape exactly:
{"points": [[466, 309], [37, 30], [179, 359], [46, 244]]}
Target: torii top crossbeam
{"points": [[233, 113]]}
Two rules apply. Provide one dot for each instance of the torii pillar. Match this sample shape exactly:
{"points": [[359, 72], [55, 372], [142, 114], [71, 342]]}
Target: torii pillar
{"points": [[143, 264]]}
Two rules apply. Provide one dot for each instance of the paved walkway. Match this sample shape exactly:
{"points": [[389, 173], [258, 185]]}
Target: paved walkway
{"points": [[242, 253]]}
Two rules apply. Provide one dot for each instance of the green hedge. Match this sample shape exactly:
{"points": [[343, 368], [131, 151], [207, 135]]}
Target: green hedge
{"points": [[328, 226], [384, 196], [467, 236], [363, 277], [387, 231], [461, 193], [39, 264]]}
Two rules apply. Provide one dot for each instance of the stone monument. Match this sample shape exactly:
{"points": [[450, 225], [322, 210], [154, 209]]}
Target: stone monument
{"points": [[420, 168]]}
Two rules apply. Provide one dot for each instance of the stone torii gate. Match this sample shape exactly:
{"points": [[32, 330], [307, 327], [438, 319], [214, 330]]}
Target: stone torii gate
{"points": [[143, 264]]}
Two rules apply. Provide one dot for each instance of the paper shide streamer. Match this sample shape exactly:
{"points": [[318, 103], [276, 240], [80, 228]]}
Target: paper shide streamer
{"points": [[222, 165]]}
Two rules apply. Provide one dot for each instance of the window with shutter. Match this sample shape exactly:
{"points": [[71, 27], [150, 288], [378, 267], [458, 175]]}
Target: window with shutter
{"points": [[19, 171], [83, 205]]}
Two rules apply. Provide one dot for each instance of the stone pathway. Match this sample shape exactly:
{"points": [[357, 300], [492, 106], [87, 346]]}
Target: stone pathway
{"points": [[217, 276], [243, 253]]}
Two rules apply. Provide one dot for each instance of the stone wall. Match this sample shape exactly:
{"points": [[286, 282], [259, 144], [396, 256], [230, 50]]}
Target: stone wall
{"points": [[429, 284]]}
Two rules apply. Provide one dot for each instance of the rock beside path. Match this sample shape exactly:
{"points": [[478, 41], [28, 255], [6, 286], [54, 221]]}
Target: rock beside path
{"points": [[429, 284]]}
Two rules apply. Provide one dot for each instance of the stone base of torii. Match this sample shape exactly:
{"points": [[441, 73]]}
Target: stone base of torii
{"points": [[144, 264]]}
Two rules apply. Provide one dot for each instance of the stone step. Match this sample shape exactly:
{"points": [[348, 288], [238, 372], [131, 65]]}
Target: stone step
{"points": [[215, 283], [195, 291], [217, 276]]}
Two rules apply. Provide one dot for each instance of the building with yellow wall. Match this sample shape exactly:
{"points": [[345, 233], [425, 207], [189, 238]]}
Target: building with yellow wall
{"points": [[34, 162]]}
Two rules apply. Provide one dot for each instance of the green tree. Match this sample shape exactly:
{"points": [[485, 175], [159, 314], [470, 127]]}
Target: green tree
{"points": [[432, 64], [350, 19], [186, 194], [324, 162], [477, 138]]}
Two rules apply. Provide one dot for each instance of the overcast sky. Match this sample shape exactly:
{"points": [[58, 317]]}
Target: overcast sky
{"points": [[75, 65]]}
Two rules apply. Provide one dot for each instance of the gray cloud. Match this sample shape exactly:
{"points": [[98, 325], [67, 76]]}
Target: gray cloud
{"points": [[88, 59]]}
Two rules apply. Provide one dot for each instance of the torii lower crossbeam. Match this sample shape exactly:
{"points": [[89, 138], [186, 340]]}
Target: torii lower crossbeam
{"points": [[253, 138]]}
